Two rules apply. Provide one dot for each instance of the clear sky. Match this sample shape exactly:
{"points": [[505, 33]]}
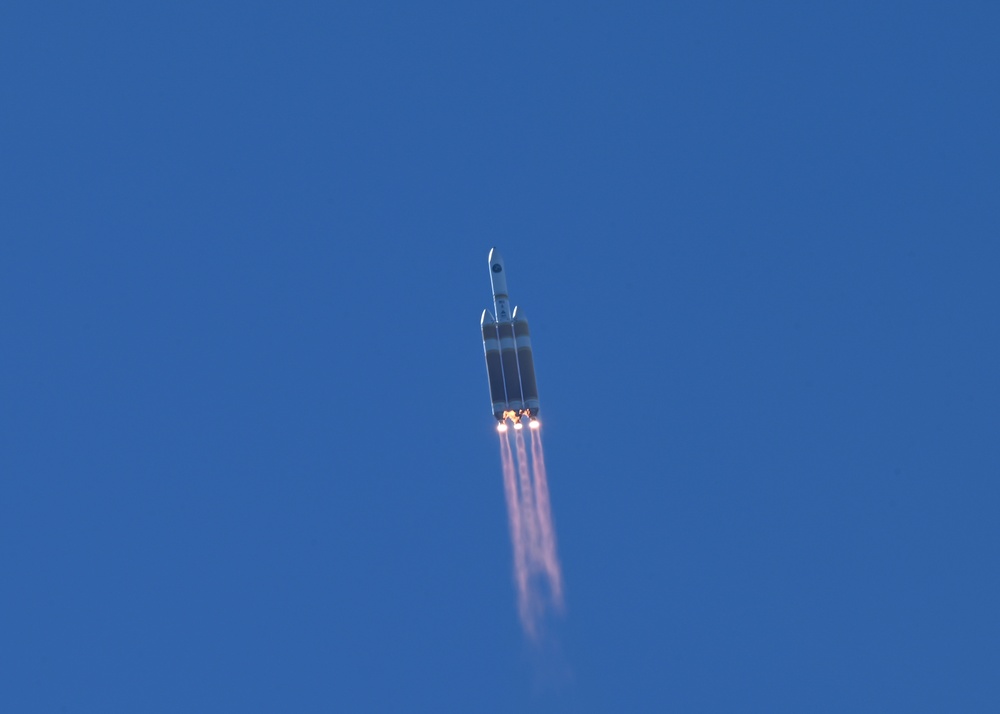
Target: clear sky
{"points": [[248, 462]]}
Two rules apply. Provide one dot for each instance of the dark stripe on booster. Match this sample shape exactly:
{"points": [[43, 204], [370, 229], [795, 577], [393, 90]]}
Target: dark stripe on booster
{"points": [[496, 376], [526, 363], [493, 369], [509, 358]]}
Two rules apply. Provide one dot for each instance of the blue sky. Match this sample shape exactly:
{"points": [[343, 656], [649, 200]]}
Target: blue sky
{"points": [[248, 459]]}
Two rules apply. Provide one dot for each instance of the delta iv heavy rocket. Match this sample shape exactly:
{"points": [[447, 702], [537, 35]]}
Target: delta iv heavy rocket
{"points": [[509, 363]]}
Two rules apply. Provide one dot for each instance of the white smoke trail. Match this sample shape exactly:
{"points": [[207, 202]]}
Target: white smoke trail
{"points": [[524, 600], [529, 518], [544, 515], [532, 534]]}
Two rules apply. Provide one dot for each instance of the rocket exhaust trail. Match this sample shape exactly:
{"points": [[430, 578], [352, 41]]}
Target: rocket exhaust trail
{"points": [[529, 518], [516, 535], [547, 532]]}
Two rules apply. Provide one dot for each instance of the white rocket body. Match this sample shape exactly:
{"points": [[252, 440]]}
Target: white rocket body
{"points": [[515, 368]]}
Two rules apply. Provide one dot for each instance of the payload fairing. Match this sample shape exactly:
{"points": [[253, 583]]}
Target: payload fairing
{"points": [[509, 363]]}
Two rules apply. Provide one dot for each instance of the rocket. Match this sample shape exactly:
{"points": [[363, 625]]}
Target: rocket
{"points": [[510, 366]]}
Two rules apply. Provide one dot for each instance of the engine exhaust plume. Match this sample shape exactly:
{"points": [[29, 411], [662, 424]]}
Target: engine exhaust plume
{"points": [[529, 516], [537, 573], [516, 534], [547, 531]]}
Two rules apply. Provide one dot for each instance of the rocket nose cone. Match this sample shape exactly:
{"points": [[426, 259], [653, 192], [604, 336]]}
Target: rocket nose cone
{"points": [[495, 259], [487, 318], [518, 315]]}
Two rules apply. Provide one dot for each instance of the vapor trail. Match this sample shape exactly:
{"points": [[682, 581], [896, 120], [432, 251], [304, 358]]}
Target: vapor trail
{"points": [[544, 514], [516, 536], [537, 572], [529, 517]]}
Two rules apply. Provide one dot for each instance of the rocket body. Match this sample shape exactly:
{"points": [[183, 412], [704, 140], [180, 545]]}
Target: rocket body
{"points": [[494, 368], [510, 364], [498, 279], [525, 362]]}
